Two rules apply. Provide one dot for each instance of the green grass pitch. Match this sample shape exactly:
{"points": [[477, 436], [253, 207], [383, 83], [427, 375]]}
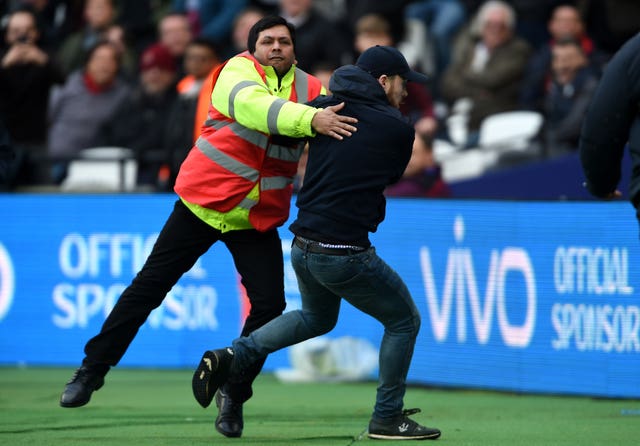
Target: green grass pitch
{"points": [[139, 407]]}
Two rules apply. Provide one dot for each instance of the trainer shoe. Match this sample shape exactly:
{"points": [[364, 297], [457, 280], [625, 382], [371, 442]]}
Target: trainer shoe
{"points": [[402, 428], [83, 383], [211, 373], [229, 421]]}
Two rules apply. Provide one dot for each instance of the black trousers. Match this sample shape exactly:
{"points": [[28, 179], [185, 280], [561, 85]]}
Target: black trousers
{"points": [[184, 238]]}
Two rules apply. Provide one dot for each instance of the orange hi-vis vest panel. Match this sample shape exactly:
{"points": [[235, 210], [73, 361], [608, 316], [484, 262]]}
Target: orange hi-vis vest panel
{"points": [[229, 160]]}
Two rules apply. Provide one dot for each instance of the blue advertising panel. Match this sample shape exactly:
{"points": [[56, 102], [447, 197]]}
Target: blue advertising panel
{"points": [[522, 296]]}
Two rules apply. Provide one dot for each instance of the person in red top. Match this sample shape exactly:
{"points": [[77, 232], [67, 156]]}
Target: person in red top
{"points": [[565, 23], [423, 175], [235, 187]]}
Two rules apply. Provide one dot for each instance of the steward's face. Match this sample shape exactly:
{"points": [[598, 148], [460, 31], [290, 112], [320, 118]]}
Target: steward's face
{"points": [[274, 47]]}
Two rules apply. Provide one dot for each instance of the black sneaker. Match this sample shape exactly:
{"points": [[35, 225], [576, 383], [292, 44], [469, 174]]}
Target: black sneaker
{"points": [[402, 428], [83, 383], [211, 373], [229, 421]]}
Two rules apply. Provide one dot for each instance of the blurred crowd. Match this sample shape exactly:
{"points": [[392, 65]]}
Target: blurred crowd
{"points": [[80, 74]]}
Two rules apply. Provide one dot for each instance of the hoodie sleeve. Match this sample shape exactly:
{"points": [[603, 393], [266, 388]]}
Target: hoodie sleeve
{"points": [[605, 129]]}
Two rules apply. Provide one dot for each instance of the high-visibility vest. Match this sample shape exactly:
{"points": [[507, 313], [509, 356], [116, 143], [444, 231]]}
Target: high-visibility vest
{"points": [[229, 160]]}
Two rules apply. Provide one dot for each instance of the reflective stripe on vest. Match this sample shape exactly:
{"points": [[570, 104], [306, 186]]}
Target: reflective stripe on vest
{"points": [[301, 86], [276, 151], [267, 183], [226, 161], [234, 92], [272, 115], [270, 183], [266, 178], [247, 203]]}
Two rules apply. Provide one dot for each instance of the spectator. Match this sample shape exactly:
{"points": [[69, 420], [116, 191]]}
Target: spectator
{"points": [[175, 34], [200, 59], [436, 22], [392, 11], [143, 121], [533, 17], [488, 65], [194, 92], [318, 40], [55, 18], [374, 29], [422, 176], [99, 15], [565, 23], [89, 98], [27, 74], [240, 30], [573, 84], [116, 34], [211, 19]]}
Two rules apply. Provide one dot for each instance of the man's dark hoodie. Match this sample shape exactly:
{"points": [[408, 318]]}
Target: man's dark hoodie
{"points": [[613, 121], [342, 198]]}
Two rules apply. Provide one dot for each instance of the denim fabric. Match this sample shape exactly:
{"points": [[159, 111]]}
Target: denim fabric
{"points": [[369, 284]]}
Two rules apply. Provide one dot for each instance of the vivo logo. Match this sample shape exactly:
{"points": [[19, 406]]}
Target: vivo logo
{"points": [[460, 286]]}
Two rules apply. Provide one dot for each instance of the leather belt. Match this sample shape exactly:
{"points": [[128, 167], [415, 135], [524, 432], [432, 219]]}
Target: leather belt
{"points": [[316, 248]]}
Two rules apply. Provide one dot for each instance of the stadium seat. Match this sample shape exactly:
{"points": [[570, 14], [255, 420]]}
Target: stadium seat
{"points": [[102, 169], [504, 139], [510, 130], [468, 164], [443, 149]]}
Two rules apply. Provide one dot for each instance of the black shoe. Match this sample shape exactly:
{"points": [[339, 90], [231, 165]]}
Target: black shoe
{"points": [[229, 421], [83, 383], [211, 373], [402, 428]]}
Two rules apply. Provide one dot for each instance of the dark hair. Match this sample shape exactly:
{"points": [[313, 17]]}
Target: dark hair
{"points": [[207, 43], [25, 9], [266, 23], [99, 44]]}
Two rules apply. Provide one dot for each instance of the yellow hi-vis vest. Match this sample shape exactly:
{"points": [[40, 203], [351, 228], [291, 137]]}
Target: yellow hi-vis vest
{"points": [[239, 149]]}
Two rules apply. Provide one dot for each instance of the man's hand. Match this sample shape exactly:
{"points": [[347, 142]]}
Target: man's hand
{"points": [[613, 195], [22, 53], [328, 122]]}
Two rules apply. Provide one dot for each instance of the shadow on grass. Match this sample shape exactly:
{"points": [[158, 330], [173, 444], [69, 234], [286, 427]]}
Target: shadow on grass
{"points": [[129, 421]]}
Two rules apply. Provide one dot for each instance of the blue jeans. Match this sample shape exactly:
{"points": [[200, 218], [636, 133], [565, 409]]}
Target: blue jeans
{"points": [[365, 281]]}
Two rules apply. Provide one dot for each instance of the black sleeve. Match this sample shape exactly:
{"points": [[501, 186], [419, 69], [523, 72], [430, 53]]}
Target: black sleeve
{"points": [[6, 154], [605, 130]]}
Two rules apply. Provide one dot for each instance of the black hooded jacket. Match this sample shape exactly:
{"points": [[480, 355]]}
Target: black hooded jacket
{"points": [[342, 198], [613, 119]]}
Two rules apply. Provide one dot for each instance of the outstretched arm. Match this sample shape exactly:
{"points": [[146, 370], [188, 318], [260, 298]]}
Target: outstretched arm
{"points": [[328, 122]]}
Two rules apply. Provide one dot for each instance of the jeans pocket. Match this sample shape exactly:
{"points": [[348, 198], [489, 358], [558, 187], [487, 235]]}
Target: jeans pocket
{"points": [[335, 270]]}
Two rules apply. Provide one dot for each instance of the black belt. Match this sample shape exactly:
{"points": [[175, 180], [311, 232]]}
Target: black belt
{"points": [[317, 248]]}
